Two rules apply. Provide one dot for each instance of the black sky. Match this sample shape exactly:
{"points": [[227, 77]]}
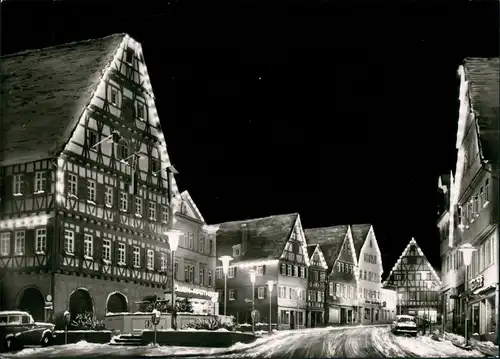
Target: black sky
{"points": [[344, 111]]}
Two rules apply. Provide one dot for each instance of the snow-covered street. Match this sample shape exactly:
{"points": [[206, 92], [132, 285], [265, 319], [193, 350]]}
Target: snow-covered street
{"points": [[362, 341]]}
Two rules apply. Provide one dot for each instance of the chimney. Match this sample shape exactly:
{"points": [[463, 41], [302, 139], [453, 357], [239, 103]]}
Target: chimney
{"points": [[244, 238]]}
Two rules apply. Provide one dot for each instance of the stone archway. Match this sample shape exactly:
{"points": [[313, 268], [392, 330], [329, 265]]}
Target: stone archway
{"points": [[116, 303], [80, 302], [31, 300]]}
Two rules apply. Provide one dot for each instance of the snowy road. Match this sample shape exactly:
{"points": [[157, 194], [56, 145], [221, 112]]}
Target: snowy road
{"points": [[354, 342]]}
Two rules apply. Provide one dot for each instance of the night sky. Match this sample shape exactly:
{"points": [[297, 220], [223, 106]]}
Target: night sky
{"points": [[343, 111]]}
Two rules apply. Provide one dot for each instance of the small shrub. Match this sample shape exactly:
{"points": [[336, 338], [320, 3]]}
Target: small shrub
{"points": [[184, 306], [212, 323], [86, 321]]}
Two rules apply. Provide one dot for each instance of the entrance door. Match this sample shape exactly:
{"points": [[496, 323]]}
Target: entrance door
{"points": [[292, 319], [475, 318]]}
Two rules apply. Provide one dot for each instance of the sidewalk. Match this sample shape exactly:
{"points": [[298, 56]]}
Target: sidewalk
{"points": [[487, 348]]}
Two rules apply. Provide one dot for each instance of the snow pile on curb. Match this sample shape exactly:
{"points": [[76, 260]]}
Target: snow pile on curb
{"points": [[487, 348], [424, 346]]}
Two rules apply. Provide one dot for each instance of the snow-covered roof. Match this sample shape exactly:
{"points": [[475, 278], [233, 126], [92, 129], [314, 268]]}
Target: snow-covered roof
{"points": [[13, 312]]}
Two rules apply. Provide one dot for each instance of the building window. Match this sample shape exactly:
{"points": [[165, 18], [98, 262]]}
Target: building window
{"points": [[129, 55], [260, 270], [296, 271], [40, 181], [137, 257], [123, 201], [121, 254], [140, 111], [191, 274], [18, 184], [92, 139], [41, 240], [191, 240], [202, 276], [123, 152], [69, 241], [218, 273], [260, 292], [91, 191], [106, 250], [152, 211], [337, 290], [155, 165], [476, 204], [330, 288], [20, 243], [138, 206], [163, 262], [114, 96], [5, 244], [351, 292], [231, 272], [232, 294], [108, 196], [289, 270], [72, 184], [210, 246], [164, 214], [302, 272], [176, 271], [88, 245], [151, 259], [209, 278], [202, 245], [236, 250], [486, 192]]}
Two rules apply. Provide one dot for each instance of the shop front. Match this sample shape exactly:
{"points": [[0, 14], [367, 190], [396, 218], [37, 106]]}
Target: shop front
{"points": [[483, 314], [203, 301]]}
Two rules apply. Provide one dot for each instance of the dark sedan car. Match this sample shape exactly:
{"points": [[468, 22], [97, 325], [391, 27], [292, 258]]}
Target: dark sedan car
{"points": [[19, 329]]}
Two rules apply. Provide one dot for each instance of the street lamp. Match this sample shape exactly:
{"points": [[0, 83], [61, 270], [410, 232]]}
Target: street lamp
{"points": [[270, 285], [225, 268], [173, 242], [252, 279], [467, 250], [400, 299]]}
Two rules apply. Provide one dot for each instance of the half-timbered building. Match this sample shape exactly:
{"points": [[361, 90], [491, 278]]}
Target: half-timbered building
{"points": [[86, 180], [275, 247], [316, 286], [417, 282]]}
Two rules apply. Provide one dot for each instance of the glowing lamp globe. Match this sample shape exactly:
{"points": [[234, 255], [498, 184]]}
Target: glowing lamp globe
{"points": [[270, 285], [225, 263], [252, 275], [173, 238], [467, 250]]}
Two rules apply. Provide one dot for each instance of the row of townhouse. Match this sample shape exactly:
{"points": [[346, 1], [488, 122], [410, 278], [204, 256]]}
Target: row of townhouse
{"points": [[469, 209], [319, 276]]}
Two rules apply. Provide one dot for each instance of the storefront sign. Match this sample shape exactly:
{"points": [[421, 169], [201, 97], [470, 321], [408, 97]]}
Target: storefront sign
{"points": [[477, 283], [197, 291]]}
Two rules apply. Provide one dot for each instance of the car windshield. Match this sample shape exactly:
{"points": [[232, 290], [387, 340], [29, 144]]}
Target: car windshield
{"points": [[14, 319], [406, 320]]}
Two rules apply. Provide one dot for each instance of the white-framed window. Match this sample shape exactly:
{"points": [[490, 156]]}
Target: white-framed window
{"points": [[91, 190], [209, 278], [191, 274], [236, 250], [121, 253], [138, 206], [231, 272], [210, 246], [289, 270], [261, 292], [72, 184], [330, 289], [164, 214], [152, 210], [232, 294], [302, 272], [337, 290], [202, 244], [122, 151], [163, 262], [140, 111], [20, 242], [5, 244], [351, 291], [18, 182], [88, 245], [191, 240], [151, 259], [260, 270], [114, 96], [41, 240], [123, 201], [202, 276], [40, 181], [108, 196], [137, 256], [295, 271], [219, 273], [69, 241], [106, 250]]}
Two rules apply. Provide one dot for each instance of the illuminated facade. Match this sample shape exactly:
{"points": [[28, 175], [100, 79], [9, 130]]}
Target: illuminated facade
{"points": [[417, 282], [275, 247], [473, 209], [87, 182], [316, 287]]}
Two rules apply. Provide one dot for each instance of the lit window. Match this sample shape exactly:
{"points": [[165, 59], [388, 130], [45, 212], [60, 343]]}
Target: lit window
{"points": [[151, 259], [69, 241], [40, 181], [260, 292], [91, 191], [18, 184], [138, 206], [72, 184], [121, 253], [140, 111], [20, 243], [232, 294], [163, 262], [137, 257], [108, 196], [41, 240], [152, 211], [106, 250], [123, 201], [92, 139], [114, 96], [88, 246], [5, 244]]}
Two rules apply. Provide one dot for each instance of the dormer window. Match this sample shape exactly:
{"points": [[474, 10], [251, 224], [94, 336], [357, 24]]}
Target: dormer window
{"points": [[237, 250], [129, 56]]}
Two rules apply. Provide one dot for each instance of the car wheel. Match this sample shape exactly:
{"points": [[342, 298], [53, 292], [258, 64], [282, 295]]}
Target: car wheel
{"points": [[47, 340], [10, 343]]}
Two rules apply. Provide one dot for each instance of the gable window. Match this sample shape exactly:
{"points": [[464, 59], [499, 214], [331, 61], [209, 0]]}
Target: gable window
{"points": [[123, 151], [151, 259], [5, 244], [140, 111], [129, 55], [72, 184], [337, 290], [92, 140], [342, 269], [123, 201], [138, 206], [114, 96], [209, 278], [371, 244], [261, 292], [88, 245], [295, 271], [106, 250], [108, 196], [40, 181], [20, 243], [231, 272], [338, 266], [121, 253], [322, 276], [41, 240], [237, 250], [155, 165], [91, 191], [137, 256], [69, 242], [18, 184], [164, 214], [152, 211]]}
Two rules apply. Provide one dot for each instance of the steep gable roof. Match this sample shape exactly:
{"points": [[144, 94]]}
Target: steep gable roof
{"points": [[330, 240], [311, 248], [483, 77], [359, 234], [266, 237], [195, 212], [44, 92], [316, 248]]}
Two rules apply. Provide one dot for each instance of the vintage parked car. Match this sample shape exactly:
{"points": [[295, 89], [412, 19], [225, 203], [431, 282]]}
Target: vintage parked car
{"points": [[19, 329], [405, 324]]}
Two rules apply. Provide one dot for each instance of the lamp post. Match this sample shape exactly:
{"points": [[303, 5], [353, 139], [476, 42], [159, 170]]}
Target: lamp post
{"points": [[467, 250], [400, 298], [270, 285], [173, 242], [252, 279], [225, 268]]}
